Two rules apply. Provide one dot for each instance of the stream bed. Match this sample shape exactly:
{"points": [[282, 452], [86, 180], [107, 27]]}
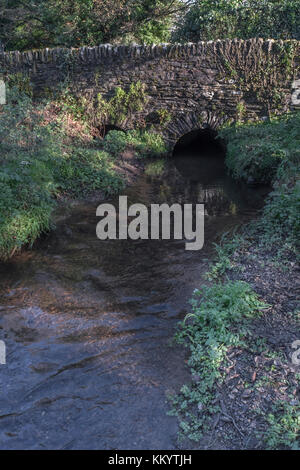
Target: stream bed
{"points": [[88, 324]]}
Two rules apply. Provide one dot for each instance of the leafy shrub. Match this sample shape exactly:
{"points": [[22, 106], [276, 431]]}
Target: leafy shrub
{"points": [[146, 143], [284, 427], [123, 104], [155, 168], [218, 320], [99, 111], [258, 150], [36, 165], [222, 19], [224, 252], [115, 142], [269, 153], [87, 169], [76, 106], [281, 214], [26, 182]]}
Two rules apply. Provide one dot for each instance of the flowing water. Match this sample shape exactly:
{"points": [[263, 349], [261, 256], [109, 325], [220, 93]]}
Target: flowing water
{"points": [[88, 323]]}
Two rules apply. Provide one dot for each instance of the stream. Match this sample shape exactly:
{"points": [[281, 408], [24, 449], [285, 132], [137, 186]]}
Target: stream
{"points": [[88, 324]]}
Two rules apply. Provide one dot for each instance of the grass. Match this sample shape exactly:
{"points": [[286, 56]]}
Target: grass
{"points": [[146, 143], [263, 150], [224, 255], [87, 169]]}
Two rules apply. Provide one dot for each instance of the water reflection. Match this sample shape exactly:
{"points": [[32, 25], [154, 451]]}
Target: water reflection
{"points": [[203, 179], [87, 323], [199, 158]]}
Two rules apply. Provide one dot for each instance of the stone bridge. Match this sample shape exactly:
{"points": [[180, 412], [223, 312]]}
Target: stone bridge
{"points": [[188, 87]]}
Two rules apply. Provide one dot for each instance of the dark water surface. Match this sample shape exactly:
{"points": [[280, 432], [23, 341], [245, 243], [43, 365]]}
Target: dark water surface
{"points": [[88, 323]]}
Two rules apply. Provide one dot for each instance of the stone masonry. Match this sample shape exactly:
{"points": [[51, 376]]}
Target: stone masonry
{"points": [[196, 85]]}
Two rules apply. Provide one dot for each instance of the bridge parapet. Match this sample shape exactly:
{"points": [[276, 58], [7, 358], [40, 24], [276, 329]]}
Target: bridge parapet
{"points": [[195, 84]]}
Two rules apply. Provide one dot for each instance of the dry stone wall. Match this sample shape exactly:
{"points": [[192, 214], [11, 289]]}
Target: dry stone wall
{"points": [[194, 85]]}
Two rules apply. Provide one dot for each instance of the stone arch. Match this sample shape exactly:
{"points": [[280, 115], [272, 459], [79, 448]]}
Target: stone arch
{"points": [[188, 122]]}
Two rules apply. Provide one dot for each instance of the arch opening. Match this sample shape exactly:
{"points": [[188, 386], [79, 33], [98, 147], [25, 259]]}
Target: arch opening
{"points": [[200, 142], [200, 156], [102, 131], [111, 127]]}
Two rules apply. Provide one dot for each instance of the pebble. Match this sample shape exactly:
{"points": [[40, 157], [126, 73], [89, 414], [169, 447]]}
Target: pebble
{"points": [[246, 393]]}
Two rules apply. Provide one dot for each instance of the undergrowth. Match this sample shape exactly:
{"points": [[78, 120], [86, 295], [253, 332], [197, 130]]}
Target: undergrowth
{"points": [[269, 152], [283, 429], [223, 311], [155, 168], [218, 321], [143, 143], [39, 163], [264, 149]]}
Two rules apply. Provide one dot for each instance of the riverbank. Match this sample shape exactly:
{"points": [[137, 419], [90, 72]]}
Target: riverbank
{"points": [[243, 330], [87, 322], [244, 318], [50, 154]]}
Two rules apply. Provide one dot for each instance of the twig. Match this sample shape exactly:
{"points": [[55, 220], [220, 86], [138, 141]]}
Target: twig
{"points": [[224, 412]]}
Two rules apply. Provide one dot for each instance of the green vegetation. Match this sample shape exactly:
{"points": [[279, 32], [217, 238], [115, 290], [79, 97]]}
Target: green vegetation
{"points": [[218, 321], [147, 143], [25, 179], [224, 252], [261, 150], [284, 426], [164, 116], [123, 104], [143, 143], [99, 112], [115, 142], [85, 170], [224, 311], [155, 168], [221, 19], [265, 79], [32, 24], [28, 24], [47, 152], [39, 163], [270, 153]]}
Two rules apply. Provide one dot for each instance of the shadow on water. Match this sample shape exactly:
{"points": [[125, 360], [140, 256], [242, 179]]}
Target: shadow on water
{"points": [[200, 159], [87, 323]]}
